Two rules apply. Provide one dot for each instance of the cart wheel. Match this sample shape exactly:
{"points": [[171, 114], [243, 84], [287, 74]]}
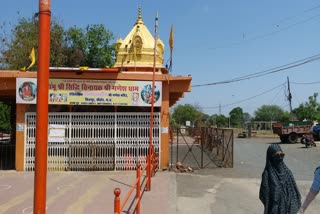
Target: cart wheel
{"points": [[284, 138], [293, 137]]}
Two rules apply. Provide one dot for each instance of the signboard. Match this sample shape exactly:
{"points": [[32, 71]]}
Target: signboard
{"points": [[91, 92], [20, 127], [56, 133], [164, 130], [26, 90]]}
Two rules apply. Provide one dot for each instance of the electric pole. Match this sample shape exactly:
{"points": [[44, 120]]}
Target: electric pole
{"points": [[289, 98]]}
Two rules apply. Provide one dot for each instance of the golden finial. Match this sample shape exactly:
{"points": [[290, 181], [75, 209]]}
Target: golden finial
{"points": [[139, 20]]}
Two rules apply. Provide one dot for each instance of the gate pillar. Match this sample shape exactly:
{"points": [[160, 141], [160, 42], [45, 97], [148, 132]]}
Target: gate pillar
{"points": [[20, 131], [164, 156]]}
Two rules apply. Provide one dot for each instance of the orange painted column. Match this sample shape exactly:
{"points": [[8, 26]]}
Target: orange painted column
{"points": [[20, 132], [165, 126], [41, 147]]}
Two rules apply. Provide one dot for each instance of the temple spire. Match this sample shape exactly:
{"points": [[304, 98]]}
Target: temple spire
{"points": [[139, 20], [137, 48]]}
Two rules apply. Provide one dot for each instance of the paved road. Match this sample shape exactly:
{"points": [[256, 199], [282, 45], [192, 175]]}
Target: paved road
{"points": [[219, 191], [235, 190], [84, 192]]}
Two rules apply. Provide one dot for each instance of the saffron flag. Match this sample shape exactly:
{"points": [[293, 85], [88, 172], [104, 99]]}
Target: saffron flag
{"points": [[83, 68], [23, 68], [171, 38], [32, 57]]}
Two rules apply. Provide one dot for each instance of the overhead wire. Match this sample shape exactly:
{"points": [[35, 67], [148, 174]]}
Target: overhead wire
{"points": [[284, 106], [276, 95], [273, 70], [234, 103], [302, 83], [276, 69], [266, 72], [296, 97], [305, 83], [275, 31], [285, 67]]}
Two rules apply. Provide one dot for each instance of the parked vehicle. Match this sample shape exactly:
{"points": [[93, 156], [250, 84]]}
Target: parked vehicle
{"points": [[307, 140], [316, 132], [291, 131]]}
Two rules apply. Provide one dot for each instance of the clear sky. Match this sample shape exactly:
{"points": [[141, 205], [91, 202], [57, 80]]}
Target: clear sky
{"points": [[215, 41]]}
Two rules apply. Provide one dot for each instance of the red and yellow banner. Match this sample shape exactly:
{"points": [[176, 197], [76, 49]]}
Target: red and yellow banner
{"points": [[91, 92]]}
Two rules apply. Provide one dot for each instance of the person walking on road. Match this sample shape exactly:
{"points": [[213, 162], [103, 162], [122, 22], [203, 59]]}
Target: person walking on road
{"points": [[313, 192], [278, 190]]}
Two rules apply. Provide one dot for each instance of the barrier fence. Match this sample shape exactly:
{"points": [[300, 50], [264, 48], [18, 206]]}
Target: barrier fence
{"points": [[140, 185], [200, 148]]}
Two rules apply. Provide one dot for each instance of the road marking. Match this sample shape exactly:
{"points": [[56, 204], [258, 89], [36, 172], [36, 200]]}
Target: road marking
{"points": [[214, 189], [29, 210], [86, 198], [63, 187], [4, 187], [66, 188], [26, 195]]}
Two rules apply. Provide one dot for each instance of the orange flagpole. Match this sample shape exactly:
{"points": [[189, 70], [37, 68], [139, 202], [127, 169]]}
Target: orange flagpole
{"points": [[171, 47], [41, 147], [152, 104]]}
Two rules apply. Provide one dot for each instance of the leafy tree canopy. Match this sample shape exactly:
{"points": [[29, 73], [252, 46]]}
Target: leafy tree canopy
{"points": [[93, 43], [73, 47], [222, 121], [4, 117], [269, 113], [247, 117], [309, 110], [183, 113], [236, 117]]}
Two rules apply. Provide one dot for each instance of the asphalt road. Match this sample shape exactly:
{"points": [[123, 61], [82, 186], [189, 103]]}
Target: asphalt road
{"points": [[236, 190]]}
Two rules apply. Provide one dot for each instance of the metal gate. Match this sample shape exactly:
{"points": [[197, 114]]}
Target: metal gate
{"points": [[82, 141], [7, 155], [202, 147]]}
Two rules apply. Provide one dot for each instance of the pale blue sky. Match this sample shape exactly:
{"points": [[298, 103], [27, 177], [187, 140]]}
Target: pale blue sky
{"points": [[214, 41]]}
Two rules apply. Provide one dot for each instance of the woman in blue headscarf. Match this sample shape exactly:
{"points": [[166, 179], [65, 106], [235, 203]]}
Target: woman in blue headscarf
{"points": [[278, 190]]}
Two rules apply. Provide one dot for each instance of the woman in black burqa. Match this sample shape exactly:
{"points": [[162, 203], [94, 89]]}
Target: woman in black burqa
{"points": [[278, 191]]}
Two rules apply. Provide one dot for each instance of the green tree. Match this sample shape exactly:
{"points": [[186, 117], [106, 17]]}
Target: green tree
{"points": [[173, 122], [212, 120], [201, 119], [16, 48], [4, 117], [217, 120], [247, 117], [269, 113], [286, 116], [236, 117], [309, 110], [72, 48], [186, 112], [94, 43], [222, 121]]}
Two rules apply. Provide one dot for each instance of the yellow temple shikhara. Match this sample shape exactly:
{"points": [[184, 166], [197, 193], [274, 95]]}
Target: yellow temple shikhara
{"points": [[99, 118]]}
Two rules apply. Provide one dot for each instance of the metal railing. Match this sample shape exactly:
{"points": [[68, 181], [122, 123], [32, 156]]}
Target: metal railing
{"points": [[140, 185]]}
